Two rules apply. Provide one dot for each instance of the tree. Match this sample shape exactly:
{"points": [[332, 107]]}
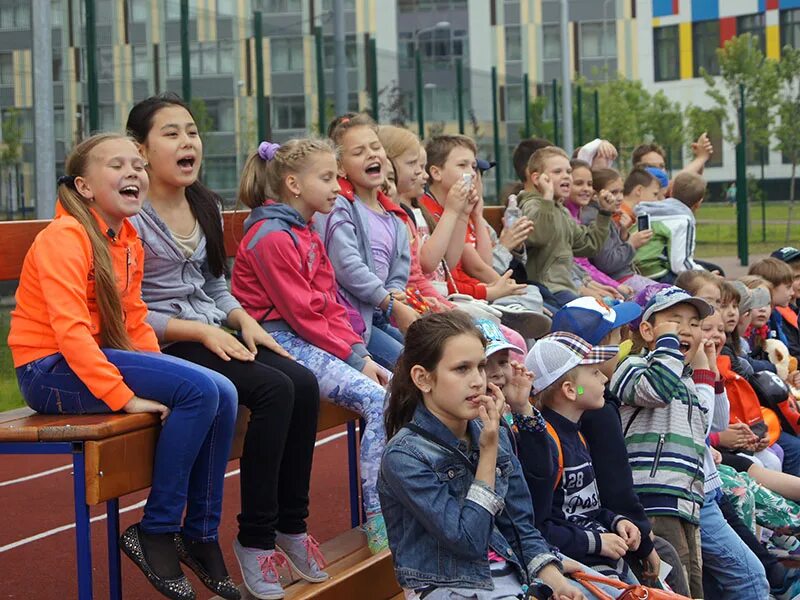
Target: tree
{"points": [[392, 103], [10, 155], [788, 113], [663, 122]]}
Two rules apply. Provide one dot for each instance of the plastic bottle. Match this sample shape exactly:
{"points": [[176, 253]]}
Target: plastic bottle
{"points": [[512, 212]]}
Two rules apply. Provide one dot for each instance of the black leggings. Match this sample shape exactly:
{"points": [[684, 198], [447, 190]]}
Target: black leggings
{"points": [[283, 398]]}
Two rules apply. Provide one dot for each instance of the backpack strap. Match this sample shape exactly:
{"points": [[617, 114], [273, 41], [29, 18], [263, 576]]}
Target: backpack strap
{"points": [[560, 455]]}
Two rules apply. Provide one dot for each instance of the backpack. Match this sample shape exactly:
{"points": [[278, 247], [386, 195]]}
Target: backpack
{"points": [[559, 453]]}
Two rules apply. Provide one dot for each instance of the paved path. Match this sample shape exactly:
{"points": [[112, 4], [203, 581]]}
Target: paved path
{"points": [[732, 266]]}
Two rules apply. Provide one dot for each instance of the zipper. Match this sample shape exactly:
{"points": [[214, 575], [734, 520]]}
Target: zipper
{"points": [[657, 459], [127, 267]]}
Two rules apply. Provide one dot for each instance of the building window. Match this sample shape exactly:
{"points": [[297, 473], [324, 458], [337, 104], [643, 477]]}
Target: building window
{"points": [[59, 125], [705, 41], [15, 14], [220, 173], [141, 62], [108, 120], [221, 115], [286, 54], [104, 12], [56, 13], [551, 42], [327, 5], [289, 112], [350, 52], [226, 8], [140, 10], [406, 6], [513, 43], [105, 63], [225, 58], [598, 40], [441, 45], [666, 51], [58, 67], [205, 58], [790, 28], [515, 103], [283, 6], [6, 68], [173, 9], [754, 25]]}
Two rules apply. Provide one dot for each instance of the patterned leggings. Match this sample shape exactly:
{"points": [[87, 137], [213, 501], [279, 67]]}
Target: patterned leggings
{"points": [[343, 385]]}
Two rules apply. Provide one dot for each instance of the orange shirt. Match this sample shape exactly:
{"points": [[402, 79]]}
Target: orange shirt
{"points": [[57, 309]]}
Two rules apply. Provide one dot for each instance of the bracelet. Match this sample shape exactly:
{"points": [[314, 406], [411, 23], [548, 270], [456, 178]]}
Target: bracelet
{"points": [[390, 307]]}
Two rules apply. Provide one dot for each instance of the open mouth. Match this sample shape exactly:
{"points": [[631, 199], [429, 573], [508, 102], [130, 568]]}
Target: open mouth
{"points": [[130, 191], [684, 347], [373, 168], [186, 163]]}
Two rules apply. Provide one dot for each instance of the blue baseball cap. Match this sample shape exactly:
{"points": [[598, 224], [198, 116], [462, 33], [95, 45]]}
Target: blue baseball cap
{"points": [[495, 340], [484, 165], [592, 320], [786, 254], [659, 174]]}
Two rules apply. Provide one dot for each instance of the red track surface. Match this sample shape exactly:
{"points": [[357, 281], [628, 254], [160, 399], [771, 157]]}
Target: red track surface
{"points": [[44, 569]]}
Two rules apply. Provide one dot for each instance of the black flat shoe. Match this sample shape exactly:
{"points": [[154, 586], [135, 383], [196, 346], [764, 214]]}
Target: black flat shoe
{"points": [[177, 588], [223, 586]]}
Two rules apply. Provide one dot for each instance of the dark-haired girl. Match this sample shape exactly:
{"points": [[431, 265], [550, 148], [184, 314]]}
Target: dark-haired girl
{"points": [[457, 509], [81, 345], [187, 295]]}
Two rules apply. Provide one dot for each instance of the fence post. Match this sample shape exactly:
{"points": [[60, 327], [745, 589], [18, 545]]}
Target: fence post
{"points": [[261, 115], [320, 80], [460, 94], [496, 121], [526, 98], [556, 141], [741, 185], [420, 95], [91, 68], [579, 99], [597, 113], [373, 88], [186, 68], [763, 198]]}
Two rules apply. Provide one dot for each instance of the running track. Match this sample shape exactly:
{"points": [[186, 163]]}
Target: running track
{"points": [[37, 536]]}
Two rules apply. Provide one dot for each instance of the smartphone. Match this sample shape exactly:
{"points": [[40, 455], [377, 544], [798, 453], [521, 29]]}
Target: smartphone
{"points": [[643, 222], [467, 179]]}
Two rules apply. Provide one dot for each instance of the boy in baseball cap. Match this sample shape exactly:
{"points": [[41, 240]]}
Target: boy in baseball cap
{"points": [[791, 256], [566, 382]]}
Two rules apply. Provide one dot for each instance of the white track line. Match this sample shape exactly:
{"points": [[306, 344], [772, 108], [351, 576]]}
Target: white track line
{"points": [[35, 475], [54, 531]]}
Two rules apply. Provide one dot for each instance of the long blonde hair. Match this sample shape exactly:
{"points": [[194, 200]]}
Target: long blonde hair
{"points": [[113, 333]]}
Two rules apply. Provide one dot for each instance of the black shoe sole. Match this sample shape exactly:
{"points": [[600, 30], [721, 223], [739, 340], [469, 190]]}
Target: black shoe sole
{"points": [[177, 589]]}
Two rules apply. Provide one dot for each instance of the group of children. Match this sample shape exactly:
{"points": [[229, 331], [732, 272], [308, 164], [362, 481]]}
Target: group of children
{"points": [[366, 266]]}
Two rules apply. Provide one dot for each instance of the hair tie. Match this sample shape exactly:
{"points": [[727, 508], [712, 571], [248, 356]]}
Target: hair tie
{"points": [[67, 180], [344, 120], [267, 150]]}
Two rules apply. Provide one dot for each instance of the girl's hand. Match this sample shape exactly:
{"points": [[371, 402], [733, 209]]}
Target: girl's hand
{"points": [[514, 237], [518, 389], [403, 316], [140, 405], [224, 345], [737, 436], [625, 220], [629, 533], [612, 546], [489, 411], [640, 238], [605, 200], [545, 186], [716, 456], [375, 372], [561, 586], [504, 286], [253, 335], [625, 290], [652, 565]]}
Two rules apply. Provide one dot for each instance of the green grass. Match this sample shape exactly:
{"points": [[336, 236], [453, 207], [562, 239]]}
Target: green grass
{"points": [[716, 229], [9, 392]]}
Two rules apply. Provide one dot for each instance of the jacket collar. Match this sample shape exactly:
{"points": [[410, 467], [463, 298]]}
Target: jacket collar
{"points": [[126, 232], [348, 192], [558, 421], [425, 419]]}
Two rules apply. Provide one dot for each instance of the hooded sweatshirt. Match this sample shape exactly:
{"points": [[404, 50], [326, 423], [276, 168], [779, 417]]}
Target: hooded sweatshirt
{"points": [[284, 280], [671, 249], [557, 239], [615, 258], [57, 306]]}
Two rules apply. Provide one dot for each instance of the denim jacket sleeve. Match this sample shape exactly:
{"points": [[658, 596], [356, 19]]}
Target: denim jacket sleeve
{"points": [[463, 527]]}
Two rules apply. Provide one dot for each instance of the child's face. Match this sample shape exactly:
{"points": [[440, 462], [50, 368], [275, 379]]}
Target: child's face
{"points": [[581, 191], [650, 193], [782, 294], [796, 281], [423, 162], [687, 319], [460, 161], [709, 292], [730, 316], [316, 185], [653, 159], [590, 383], [498, 368], [362, 157], [409, 181], [713, 329], [612, 339], [390, 183], [615, 189], [458, 381], [173, 147], [557, 167], [760, 316]]}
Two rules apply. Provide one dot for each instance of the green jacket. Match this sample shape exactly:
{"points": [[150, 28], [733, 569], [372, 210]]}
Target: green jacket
{"points": [[557, 239], [652, 259]]}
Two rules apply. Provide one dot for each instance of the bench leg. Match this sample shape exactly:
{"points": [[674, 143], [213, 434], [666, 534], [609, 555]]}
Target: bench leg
{"points": [[352, 468], [83, 535], [114, 567]]}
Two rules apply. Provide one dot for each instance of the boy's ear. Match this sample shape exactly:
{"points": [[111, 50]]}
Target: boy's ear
{"points": [[421, 378], [435, 171], [533, 177], [569, 390], [647, 331]]}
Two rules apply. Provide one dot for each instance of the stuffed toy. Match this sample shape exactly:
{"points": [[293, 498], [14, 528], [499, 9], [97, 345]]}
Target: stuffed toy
{"points": [[785, 363]]}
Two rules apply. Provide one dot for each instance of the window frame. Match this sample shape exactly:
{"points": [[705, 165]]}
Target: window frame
{"points": [[674, 39]]}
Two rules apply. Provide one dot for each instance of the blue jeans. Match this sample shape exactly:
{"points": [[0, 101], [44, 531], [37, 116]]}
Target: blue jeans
{"points": [[730, 569], [791, 453], [385, 342], [194, 443], [563, 297]]}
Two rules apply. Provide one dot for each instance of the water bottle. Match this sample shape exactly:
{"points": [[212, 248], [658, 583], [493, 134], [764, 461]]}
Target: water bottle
{"points": [[512, 212]]}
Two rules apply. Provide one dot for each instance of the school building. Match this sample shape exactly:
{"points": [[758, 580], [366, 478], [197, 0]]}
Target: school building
{"points": [[662, 42]]}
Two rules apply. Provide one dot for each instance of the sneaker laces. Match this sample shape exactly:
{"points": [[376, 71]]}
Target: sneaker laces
{"points": [[313, 552], [269, 564]]}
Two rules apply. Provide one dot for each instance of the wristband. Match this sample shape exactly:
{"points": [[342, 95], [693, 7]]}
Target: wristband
{"points": [[390, 307]]}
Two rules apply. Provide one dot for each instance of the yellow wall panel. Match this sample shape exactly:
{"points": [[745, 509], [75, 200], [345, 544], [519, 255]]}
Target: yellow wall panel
{"points": [[773, 42], [685, 30]]}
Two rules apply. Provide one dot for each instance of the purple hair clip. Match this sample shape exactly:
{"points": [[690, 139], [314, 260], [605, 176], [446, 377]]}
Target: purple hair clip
{"points": [[267, 150]]}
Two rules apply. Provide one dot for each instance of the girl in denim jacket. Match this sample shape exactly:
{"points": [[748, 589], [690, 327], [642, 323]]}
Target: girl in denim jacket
{"points": [[457, 510]]}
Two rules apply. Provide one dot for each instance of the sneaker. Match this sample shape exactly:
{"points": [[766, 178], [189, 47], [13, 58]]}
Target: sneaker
{"points": [[529, 324], [375, 528], [791, 593], [304, 556], [260, 571]]}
